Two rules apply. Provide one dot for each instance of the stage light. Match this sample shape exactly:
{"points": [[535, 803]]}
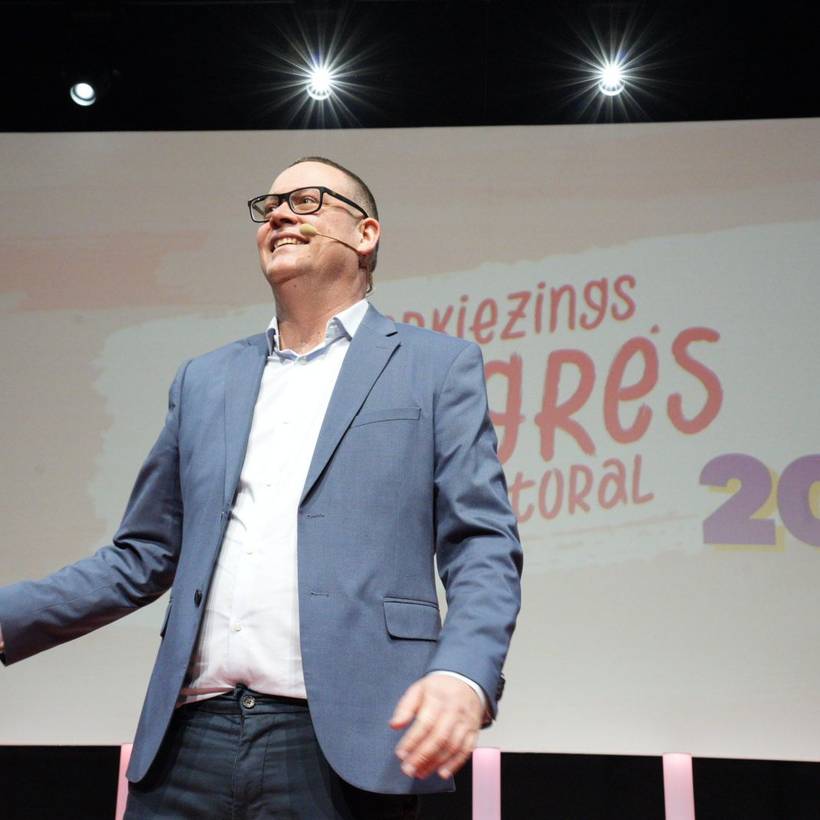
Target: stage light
{"points": [[614, 67], [612, 80], [321, 79], [83, 94], [320, 83]]}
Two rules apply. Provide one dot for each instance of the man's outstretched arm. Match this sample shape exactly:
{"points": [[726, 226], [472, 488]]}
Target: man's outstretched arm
{"points": [[135, 569]]}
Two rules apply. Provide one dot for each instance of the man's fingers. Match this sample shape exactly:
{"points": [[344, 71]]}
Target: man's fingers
{"points": [[449, 751], [429, 748], [407, 707], [422, 726], [465, 748], [442, 735]]}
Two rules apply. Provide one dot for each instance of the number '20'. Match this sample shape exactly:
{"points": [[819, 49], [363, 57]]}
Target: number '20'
{"points": [[732, 522]]}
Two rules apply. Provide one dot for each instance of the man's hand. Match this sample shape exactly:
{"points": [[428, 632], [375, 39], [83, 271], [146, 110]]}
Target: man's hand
{"points": [[447, 716]]}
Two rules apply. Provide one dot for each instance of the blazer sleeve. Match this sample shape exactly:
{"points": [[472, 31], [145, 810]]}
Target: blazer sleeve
{"points": [[478, 551], [137, 567]]}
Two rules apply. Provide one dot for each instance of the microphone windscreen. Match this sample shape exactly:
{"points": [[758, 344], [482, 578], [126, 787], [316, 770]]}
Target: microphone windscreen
{"points": [[307, 230]]}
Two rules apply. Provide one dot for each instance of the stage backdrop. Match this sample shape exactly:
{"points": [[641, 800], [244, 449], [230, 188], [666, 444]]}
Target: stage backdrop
{"points": [[646, 298]]}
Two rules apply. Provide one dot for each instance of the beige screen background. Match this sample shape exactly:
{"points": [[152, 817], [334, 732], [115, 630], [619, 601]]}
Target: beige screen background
{"points": [[646, 298]]}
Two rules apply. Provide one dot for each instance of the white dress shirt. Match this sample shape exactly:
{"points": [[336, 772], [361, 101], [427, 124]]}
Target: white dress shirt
{"points": [[250, 630]]}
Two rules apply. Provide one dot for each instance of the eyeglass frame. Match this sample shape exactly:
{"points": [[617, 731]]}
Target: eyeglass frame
{"points": [[286, 198]]}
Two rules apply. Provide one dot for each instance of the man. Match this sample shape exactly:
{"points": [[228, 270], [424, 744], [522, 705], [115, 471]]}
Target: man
{"points": [[281, 686]]}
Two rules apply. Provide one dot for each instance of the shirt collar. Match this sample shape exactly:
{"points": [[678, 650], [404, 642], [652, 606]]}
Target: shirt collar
{"points": [[345, 322]]}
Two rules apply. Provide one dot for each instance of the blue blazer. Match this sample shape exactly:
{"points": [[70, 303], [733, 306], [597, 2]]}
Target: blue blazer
{"points": [[404, 470]]}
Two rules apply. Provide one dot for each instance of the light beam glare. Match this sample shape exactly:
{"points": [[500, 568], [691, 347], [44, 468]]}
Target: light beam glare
{"points": [[612, 78], [320, 83], [318, 77], [613, 66]]}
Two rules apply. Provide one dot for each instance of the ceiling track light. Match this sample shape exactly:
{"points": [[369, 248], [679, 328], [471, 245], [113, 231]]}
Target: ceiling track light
{"points": [[320, 83], [83, 94], [89, 84], [612, 79]]}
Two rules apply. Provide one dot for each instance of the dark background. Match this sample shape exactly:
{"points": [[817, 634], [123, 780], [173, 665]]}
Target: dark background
{"points": [[201, 65], [80, 783]]}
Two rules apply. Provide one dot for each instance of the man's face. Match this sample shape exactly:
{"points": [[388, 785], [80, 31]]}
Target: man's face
{"points": [[285, 254]]}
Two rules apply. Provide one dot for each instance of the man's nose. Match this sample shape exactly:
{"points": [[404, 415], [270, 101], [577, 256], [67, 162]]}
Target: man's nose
{"points": [[281, 214]]}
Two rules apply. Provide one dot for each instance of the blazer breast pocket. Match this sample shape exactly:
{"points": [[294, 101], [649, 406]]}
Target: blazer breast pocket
{"points": [[389, 414], [411, 619]]}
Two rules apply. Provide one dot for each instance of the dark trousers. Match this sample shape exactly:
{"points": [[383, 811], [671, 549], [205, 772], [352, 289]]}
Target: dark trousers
{"points": [[246, 756]]}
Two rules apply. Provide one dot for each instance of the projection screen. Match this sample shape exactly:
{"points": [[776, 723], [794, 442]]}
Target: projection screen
{"points": [[646, 300]]}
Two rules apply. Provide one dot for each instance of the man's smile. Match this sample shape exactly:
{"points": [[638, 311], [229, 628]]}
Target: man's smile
{"points": [[288, 239]]}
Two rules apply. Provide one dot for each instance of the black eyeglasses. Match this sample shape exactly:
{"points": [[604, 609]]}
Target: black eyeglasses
{"points": [[300, 201]]}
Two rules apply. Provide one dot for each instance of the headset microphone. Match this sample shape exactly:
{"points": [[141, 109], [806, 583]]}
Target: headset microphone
{"points": [[308, 230]]}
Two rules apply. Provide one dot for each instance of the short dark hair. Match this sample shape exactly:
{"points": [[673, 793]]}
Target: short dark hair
{"points": [[366, 199]]}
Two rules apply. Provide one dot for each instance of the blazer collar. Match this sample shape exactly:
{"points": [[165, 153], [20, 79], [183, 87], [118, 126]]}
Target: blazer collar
{"points": [[370, 349], [242, 383]]}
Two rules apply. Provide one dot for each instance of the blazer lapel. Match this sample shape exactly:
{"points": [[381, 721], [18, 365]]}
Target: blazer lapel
{"points": [[369, 352], [241, 389]]}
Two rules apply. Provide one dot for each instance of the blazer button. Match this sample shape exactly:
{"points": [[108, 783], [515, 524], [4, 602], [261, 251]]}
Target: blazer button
{"points": [[198, 597]]}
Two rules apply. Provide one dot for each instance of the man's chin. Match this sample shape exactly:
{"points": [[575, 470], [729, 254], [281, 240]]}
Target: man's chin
{"points": [[277, 276]]}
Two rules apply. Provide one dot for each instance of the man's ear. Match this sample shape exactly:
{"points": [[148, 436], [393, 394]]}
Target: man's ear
{"points": [[369, 232]]}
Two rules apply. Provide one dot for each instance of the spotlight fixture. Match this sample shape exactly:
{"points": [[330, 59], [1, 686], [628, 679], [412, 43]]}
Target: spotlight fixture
{"points": [[614, 68], [611, 78], [320, 83], [83, 94], [89, 82]]}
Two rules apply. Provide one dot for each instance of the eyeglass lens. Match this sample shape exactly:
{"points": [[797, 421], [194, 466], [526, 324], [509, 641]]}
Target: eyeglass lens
{"points": [[302, 201]]}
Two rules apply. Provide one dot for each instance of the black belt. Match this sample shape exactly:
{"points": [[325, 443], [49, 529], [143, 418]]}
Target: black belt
{"points": [[243, 699]]}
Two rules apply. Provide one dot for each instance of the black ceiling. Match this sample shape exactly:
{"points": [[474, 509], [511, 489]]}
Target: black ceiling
{"points": [[227, 65]]}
